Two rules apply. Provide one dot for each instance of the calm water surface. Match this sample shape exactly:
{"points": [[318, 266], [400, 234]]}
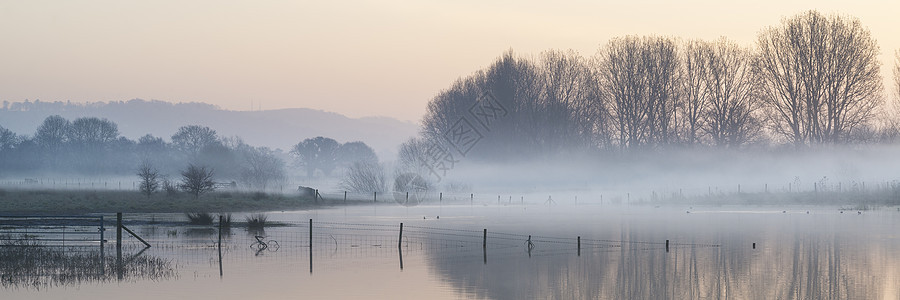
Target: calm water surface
{"points": [[801, 253]]}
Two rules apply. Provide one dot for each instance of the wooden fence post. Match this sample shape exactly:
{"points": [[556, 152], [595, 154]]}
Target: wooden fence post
{"points": [[400, 241]]}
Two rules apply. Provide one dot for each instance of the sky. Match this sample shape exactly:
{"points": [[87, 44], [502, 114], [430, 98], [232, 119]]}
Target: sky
{"points": [[357, 58]]}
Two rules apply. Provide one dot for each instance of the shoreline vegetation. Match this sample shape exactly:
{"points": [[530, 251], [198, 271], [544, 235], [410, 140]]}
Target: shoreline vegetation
{"points": [[47, 201]]}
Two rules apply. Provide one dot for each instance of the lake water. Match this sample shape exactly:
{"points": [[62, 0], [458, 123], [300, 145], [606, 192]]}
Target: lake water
{"points": [[800, 252]]}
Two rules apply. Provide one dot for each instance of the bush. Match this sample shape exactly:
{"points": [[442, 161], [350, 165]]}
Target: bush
{"points": [[226, 220], [256, 221], [200, 218]]}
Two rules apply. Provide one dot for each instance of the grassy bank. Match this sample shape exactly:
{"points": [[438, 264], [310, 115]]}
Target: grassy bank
{"points": [[78, 202]]}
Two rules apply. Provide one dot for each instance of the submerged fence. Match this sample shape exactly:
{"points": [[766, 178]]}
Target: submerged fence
{"points": [[53, 230]]}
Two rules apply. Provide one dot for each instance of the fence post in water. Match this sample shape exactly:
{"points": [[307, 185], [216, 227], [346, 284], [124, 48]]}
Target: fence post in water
{"points": [[667, 245], [221, 221], [754, 245], [579, 245], [119, 233], [471, 199], [345, 196], [441, 197], [484, 240], [119, 269], [400, 241], [310, 246], [376, 196]]}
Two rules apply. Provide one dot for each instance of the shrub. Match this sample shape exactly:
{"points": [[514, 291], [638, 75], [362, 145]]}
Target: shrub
{"points": [[200, 218], [256, 221]]}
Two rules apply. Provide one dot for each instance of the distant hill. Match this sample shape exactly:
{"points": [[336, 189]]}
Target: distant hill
{"points": [[280, 128]]}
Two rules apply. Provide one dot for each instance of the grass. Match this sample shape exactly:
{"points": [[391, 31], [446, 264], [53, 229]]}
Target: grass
{"points": [[25, 263], [200, 218], [225, 220], [20, 201], [256, 221]]}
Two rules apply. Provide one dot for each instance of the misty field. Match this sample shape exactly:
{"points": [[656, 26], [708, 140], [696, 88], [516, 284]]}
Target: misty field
{"points": [[109, 201], [83, 202]]}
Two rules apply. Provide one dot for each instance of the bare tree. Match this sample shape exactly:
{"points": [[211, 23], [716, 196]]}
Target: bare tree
{"points": [[693, 97], [149, 178], [413, 155], [197, 180], [52, 133], [730, 118], [364, 177], [569, 102], [820, 77], [638, 75], [93, 132], [260, 167], [193, 138]]}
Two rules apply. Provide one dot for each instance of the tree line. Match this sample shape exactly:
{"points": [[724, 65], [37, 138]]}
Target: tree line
{"points": [[812, 80], [93, 146]]}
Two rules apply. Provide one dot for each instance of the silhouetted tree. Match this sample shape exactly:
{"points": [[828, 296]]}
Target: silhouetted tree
{"points": [[53, 133], [197, 180], [412, 156], [192, 139], [364, 177], [260, 167], [351, 152], [93, 132], [639, 77], [151, 146], [820, 77], [149, 177], [730, 117], [319, 153], [8, 140], [693, 98]]}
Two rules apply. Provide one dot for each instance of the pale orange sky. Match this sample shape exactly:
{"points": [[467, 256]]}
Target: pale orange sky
{"points": [[358, 58]]}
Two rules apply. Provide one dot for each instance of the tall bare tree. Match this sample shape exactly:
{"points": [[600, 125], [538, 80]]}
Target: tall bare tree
{"points": [[820, 77], [569, 102], [692, 100], [638, 76], [730, 117]]}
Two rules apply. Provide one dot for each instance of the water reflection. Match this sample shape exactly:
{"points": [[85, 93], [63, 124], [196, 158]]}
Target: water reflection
{"points": [[27, 264], [789, 266]]}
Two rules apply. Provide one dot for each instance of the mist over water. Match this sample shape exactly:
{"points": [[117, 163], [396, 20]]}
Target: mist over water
{"points": [[804, 252]]}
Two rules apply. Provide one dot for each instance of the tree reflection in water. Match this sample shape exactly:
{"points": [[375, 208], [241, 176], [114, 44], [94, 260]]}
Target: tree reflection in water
{"points": [[815, 266], [26, 263]]}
